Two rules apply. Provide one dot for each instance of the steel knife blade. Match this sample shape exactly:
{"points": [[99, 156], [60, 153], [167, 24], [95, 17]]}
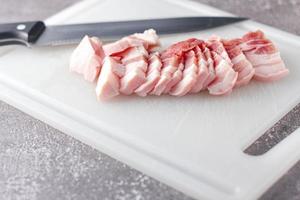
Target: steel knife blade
{"points": [[37, 33]]}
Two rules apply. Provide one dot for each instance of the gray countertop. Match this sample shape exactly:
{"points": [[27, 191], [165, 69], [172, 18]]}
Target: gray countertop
{"points": [[40, 162]]}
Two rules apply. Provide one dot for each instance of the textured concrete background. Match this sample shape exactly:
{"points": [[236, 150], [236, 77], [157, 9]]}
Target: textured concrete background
{"points": [[39, 162]]}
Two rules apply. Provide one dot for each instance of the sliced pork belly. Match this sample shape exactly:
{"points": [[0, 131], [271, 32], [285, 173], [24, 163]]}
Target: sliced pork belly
{"points": [[210, 67], [264, 57], [131, 65], [172, 69], [240, 62], [134, 54], [87, 58], [108, 82], [202, 73], [169, 67], [180, 48], [148, 39], [189, 75], [153, 75], [121, 45], [253, 36], [225, 77], [134, 77], [252, 40], [176, 77], [136, 65], [214, 44], [267, 63]]}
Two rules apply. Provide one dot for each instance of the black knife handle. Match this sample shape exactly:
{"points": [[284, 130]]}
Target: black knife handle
{"points": [[22, 33]]}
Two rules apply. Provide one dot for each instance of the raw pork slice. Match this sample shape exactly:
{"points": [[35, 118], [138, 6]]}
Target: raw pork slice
{"points": [[172, 69], [148, 39], [210, 67], [132, 80], [134, 54], [87, 58], [108, 82], [214, 44], [170, 65], [176, 77], [153, 75], [202, 73], [240, 62], [180, 48], [225, 77], [136, 64], [264, 57], [189, 75]]}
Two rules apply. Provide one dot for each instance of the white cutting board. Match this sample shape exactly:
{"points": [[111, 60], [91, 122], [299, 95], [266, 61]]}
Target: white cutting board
{"points": [[193, 143]]}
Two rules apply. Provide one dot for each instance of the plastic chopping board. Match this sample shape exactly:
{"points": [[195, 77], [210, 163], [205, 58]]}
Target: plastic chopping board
{"points": [[193, 143]]}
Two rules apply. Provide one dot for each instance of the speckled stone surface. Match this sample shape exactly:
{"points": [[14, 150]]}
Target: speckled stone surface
{"points": [[39, 162]]}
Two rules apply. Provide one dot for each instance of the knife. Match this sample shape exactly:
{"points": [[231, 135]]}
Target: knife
{"points": [[37, 33]]}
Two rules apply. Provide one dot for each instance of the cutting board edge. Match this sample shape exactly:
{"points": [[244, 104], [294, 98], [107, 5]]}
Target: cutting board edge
{"points": [[111, 147], [117, 156]]}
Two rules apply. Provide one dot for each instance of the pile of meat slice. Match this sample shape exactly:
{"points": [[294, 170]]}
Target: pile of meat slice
{"points": [[133, 64]]}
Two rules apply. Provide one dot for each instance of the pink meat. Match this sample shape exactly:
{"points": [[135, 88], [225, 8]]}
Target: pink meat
{"points": [[240, 62], [180, 48], [87, 58], [189, 75], [153, 75], [210, 67], [225, 77], [175, 72], [253, 44], [257, 58], [108, 82], [148, 39], [136, 67], [134, 54], [264, 57], [215, 44], [271, 72], [202, 73], [131, 65], [253, 36], [176, 78], [134, 77], [121, 45], [170, 65], [252, 40]]}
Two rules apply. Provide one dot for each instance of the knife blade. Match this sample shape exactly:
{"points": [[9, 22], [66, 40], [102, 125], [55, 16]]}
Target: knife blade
{"points": [[37, 33]]}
